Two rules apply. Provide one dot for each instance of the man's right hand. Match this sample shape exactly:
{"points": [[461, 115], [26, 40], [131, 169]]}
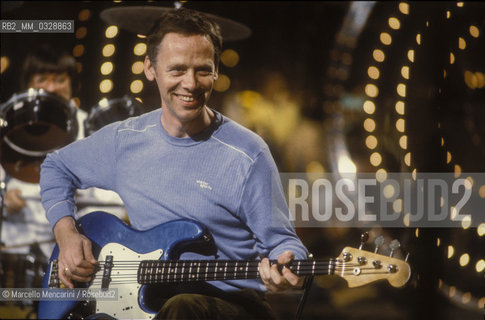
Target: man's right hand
{"points": [[76, 261]]}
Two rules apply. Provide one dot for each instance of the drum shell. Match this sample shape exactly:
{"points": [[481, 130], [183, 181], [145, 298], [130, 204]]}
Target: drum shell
{"points": [[32, 124], [106, 112]]}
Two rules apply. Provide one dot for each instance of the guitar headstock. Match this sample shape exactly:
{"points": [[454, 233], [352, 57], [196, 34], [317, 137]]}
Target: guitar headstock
{"points": [[359, 267]]}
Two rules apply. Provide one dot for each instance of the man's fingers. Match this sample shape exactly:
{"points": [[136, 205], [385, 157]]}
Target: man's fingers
{"points": [[276, 277], [84, 265], [79, 278], [65, 276], [292, 278], [88, 252], [264, 270], [81, 274]]}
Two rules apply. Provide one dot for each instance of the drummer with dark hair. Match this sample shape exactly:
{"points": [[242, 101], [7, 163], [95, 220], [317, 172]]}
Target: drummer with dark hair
{"points": [[55, 72], [25, 223], [25, 226], [51, 70]]}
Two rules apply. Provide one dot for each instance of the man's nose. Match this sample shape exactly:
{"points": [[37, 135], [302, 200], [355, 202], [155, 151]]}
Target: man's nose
{"points": [[189, 80], [50, 86]]}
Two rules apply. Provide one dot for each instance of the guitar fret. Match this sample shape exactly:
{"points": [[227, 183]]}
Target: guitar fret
{"points": [[149, 271], [158, 272], [176, 272], [169, 270], [139, 276], [140, 272], [153, 271]]}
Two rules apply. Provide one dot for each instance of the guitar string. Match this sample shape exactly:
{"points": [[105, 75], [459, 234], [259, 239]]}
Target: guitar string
{"points": [[181, 270], [231, 272], [219, 272], [133, 279], [312, 266], [197, 268], [180, 277], [203, 266], [210, 261], [211, 268], [210, 264]]}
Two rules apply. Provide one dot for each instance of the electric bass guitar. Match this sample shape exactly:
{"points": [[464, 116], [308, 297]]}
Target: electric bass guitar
{"points": [[131, 261]]}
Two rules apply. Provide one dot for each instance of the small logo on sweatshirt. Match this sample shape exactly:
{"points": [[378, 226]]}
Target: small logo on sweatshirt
{"points": [[204, 185]]}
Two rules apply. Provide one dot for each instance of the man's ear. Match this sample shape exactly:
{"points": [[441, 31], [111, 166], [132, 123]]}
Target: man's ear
{"points": [[149, 69], [216, 74]]}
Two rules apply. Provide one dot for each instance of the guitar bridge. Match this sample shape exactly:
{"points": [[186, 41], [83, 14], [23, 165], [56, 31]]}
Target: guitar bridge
{"points": [[108, 265], [54, 275]]}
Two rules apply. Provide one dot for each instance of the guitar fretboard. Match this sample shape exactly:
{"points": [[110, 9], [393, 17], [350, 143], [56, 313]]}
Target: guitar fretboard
{"points": [[158, 271]]}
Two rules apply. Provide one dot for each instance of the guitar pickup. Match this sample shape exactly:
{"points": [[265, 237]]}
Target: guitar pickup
{"points": [[108, 265]]}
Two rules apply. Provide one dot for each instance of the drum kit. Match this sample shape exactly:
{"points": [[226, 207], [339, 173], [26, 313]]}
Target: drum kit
{"points": [[35, 122]]}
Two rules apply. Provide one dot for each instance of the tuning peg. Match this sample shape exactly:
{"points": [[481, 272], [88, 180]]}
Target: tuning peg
{"points": [[379, 241], [394, 245], [363, 239]]}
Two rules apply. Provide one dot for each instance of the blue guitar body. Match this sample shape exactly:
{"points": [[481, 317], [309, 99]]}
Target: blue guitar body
{"points": [[129, 259], [165, 242]]}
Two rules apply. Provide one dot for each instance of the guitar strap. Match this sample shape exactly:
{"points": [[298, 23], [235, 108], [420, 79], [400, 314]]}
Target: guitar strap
{"points": [[306, 289]]}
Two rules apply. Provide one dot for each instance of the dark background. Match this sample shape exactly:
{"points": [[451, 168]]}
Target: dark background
{"points": [[294, 58]]}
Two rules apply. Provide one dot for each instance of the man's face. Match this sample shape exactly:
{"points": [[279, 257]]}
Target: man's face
{"points": [[58, 83], [185, 73]]}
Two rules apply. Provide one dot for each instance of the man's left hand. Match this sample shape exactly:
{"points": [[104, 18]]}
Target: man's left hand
{"points": [[276, 281]]}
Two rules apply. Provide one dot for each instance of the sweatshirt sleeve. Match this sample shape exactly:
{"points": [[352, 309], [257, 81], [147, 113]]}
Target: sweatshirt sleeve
{"points": [[264, 209], [82, 164]]}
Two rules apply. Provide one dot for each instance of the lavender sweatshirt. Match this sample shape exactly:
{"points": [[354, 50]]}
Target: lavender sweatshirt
{"points": [[225, 178]]}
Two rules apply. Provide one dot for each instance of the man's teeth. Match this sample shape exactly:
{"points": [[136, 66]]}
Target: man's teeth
{"points": [[187, 99]]}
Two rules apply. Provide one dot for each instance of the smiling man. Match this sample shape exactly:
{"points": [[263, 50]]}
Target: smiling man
{"points": [[184, 160], [185, 71]]}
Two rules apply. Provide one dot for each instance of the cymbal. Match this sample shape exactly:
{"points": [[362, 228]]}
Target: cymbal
{"points": [[139, 20]]}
